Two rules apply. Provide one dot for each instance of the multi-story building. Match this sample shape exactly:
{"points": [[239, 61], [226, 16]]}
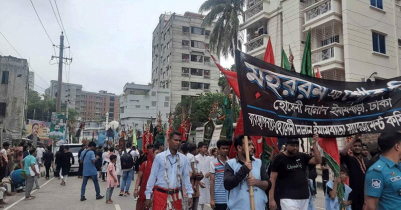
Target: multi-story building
{"points": [[350, 40], [179, 59], [95, 106], [13, 95], [141, 104], [31, 80], [69, 92]]}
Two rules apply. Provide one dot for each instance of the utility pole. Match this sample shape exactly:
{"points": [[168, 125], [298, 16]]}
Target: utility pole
{"points": [[60, 71]]}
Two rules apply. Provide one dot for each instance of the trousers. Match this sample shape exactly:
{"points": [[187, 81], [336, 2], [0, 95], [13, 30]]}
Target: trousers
{"points": [[109, 193], [160, 201], [85, 182], [127, 178], [29, 185]]}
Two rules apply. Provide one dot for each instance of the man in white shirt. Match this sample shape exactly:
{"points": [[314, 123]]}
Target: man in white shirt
{"points": [[39, 155], [204, 168]]}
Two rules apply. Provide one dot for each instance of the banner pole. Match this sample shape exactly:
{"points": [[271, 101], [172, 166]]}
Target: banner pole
{"points": [[250, 173]]}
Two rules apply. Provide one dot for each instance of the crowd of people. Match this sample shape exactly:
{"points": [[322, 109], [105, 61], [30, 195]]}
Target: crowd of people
{"points": [[189, 176]]}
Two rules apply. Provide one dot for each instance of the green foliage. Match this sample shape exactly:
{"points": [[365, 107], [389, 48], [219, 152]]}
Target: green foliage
{"points": [[200, 109], [226, 16], [40, 107], [222, 83]]}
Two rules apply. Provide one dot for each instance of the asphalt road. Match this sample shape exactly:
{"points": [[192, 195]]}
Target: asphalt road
{"points": [[53, 196]]}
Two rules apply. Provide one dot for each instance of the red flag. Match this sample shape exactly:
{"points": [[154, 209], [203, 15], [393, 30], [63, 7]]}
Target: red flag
{"points": [[330, 148], [239, 130], [269, 55], [318, 73]]}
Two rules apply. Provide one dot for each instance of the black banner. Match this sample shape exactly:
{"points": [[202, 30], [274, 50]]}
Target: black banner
{"points": [[278, 102]]}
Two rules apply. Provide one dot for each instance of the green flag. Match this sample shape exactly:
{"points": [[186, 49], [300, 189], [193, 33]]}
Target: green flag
{"points": [[284, 60], [306, 66], [134, 142]]}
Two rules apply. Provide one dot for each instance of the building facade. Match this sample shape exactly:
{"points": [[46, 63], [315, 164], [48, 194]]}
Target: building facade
{"points": [[350, 40], [141, 104], [179, 59], [31, 80], [69, 92], [13, 95], [95, 106]]}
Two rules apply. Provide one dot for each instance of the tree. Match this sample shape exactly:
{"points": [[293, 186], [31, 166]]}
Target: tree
{"points": [[72, 120], [226, 15], [200, 108], [40, 107]]}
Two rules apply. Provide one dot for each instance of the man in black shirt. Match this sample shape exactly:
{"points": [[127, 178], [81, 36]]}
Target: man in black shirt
{"points": [[357, 166], [80, 164], [288, 176]]}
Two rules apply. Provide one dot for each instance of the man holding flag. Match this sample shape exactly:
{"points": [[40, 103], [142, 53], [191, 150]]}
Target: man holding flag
{"points": [[237, 181], [288, 176]]}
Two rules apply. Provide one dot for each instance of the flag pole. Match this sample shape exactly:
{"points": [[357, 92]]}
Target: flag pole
{"points": [[250, 173]]}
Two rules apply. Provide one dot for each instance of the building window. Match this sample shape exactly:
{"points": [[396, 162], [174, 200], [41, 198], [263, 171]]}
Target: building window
{"points": [[399, 43], [3, 107], [206, 86], [185, 43], [196, 85], [154, 103], [185, 84], [185, 30], [185, 57], [197, 72], [206, 74], [137, 106], [197, 58], [147, 107], [197, 44], [153, 93], [185, 70], [197, 30], [112, 98], [207, 33], [377, 3], [168, 58], [167, 98], [4, 77], [166, 104], [207, 59], [122, 110], [379, 42], [167, 115]]}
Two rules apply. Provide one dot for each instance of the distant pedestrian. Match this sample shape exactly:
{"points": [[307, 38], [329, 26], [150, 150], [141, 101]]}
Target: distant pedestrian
{"points": [[40, 151], [28, 163], [67, 159], [105, 162], [127, 164], [89, 171], [111, 178], [48, 159], [119, 170], [59, 154], [80, 164]]}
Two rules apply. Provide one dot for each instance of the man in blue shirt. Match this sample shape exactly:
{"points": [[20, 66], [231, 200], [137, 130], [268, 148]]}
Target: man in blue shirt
{"points": [[170, 168], [383, 179], [237, 181], [89, 170]]}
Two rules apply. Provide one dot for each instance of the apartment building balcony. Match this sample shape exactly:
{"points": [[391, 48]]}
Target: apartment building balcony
{"points": [[328, 57], [320, 12], [256, 10], [257, 45]]}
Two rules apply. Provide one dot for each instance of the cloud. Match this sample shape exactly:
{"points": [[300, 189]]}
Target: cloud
{"points": [[110, 40]]}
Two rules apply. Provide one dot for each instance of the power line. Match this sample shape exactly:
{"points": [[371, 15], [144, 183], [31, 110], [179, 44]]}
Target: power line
{"points": [[62, 23], [55, 15], [42, 25], [21, 57], [39, 87]]}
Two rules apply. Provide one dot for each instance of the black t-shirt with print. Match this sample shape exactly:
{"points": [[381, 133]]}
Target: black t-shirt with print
{"points": [[291, 180]]}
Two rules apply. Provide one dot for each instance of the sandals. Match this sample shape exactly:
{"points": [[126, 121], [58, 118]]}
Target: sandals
{"points": [[30, 198]]}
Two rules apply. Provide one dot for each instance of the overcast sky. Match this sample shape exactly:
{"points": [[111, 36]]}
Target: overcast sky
{"points": [[110, 39]]}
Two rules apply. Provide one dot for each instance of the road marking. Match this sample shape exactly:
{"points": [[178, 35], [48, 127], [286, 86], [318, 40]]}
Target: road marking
{"points": [[23, 198], [117, 207], [319, 207]]}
